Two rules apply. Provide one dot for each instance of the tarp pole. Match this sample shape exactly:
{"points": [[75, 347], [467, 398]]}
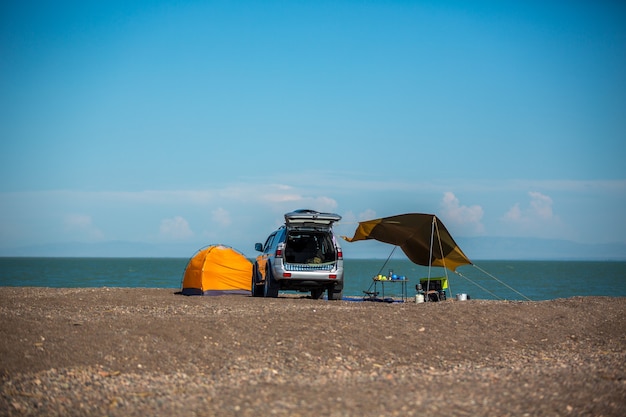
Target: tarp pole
{"points": [[443, 259], [430, 257]]}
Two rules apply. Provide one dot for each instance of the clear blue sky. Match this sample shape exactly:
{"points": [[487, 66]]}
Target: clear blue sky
{"points": [[200, 122]]}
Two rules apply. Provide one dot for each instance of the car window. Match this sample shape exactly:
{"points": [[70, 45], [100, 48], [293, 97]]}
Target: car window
{"points": [[326, 246], [309, 247], [268, 242]]}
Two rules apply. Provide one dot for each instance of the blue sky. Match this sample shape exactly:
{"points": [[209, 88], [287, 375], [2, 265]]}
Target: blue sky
{"points": [[198, 122]]}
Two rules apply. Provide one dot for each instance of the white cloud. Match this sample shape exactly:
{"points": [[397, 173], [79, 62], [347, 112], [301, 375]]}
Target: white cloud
{"points": [[537, 218], [254, 208], [514, 214], [368, 214], [539, 209], [78, 221], [148, 197], [350, 219], [541, 205], [323, 203], [466, 219], [292, 201], [221, 217], [176, 228], [281, 198], [82, 226]]}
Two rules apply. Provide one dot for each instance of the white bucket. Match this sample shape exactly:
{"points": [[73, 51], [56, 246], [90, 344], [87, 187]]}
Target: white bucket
{"points": [[419, 298], [461, 297]]}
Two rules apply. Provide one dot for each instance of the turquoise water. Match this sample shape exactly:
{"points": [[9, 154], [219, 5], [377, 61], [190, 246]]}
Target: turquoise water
{"points": [[537, 280]]}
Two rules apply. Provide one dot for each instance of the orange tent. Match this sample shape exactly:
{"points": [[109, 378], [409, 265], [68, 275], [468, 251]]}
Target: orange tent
{"points": [[217, 270]]}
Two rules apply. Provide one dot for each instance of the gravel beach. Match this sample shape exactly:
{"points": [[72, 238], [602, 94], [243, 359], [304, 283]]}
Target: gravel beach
{"points": [[139, 352]]}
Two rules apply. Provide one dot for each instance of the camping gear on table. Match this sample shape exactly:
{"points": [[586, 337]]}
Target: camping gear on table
{"points": [[217, 270]]}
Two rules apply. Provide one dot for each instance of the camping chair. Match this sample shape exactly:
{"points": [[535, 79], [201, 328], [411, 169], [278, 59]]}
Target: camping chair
{"points": [[370, 295], [434, 288]]}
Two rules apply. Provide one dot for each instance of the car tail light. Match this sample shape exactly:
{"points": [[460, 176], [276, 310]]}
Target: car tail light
{"points": [[286, 274], [279, 251], [339, 254], [332, 276]]}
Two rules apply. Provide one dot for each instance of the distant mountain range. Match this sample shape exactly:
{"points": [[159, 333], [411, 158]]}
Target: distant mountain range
{"points": [[476, 248], [538, 249]]}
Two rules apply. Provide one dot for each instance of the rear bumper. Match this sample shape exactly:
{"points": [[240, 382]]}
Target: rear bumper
{"points": [[308, 276], [302, 284]]}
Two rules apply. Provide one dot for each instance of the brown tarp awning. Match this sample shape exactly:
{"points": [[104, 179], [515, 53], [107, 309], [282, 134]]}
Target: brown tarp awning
{"points": [[412, 232]]}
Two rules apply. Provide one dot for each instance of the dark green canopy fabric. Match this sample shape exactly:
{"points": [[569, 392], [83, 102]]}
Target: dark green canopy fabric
{"points": [[412, 232]]}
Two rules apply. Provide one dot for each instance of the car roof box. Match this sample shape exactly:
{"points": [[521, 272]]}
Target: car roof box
{"points": [[310, 218]]}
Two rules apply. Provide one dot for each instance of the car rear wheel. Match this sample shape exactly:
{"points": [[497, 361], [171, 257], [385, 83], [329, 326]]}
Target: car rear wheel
{"points": [[257, 290], [335, 294], [317, 293], [271, 286]]}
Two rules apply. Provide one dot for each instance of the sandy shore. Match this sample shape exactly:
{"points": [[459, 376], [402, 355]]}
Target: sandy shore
{"points": [[127, 352]]}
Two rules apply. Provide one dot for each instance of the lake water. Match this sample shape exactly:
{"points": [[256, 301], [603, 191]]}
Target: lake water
{"points": [[537, 280]]}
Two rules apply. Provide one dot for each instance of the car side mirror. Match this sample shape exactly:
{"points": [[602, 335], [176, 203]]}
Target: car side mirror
{"points": [[258, 247]]}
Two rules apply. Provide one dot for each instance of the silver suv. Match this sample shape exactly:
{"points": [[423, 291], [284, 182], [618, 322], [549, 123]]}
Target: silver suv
{"points": [[302, 255]]}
